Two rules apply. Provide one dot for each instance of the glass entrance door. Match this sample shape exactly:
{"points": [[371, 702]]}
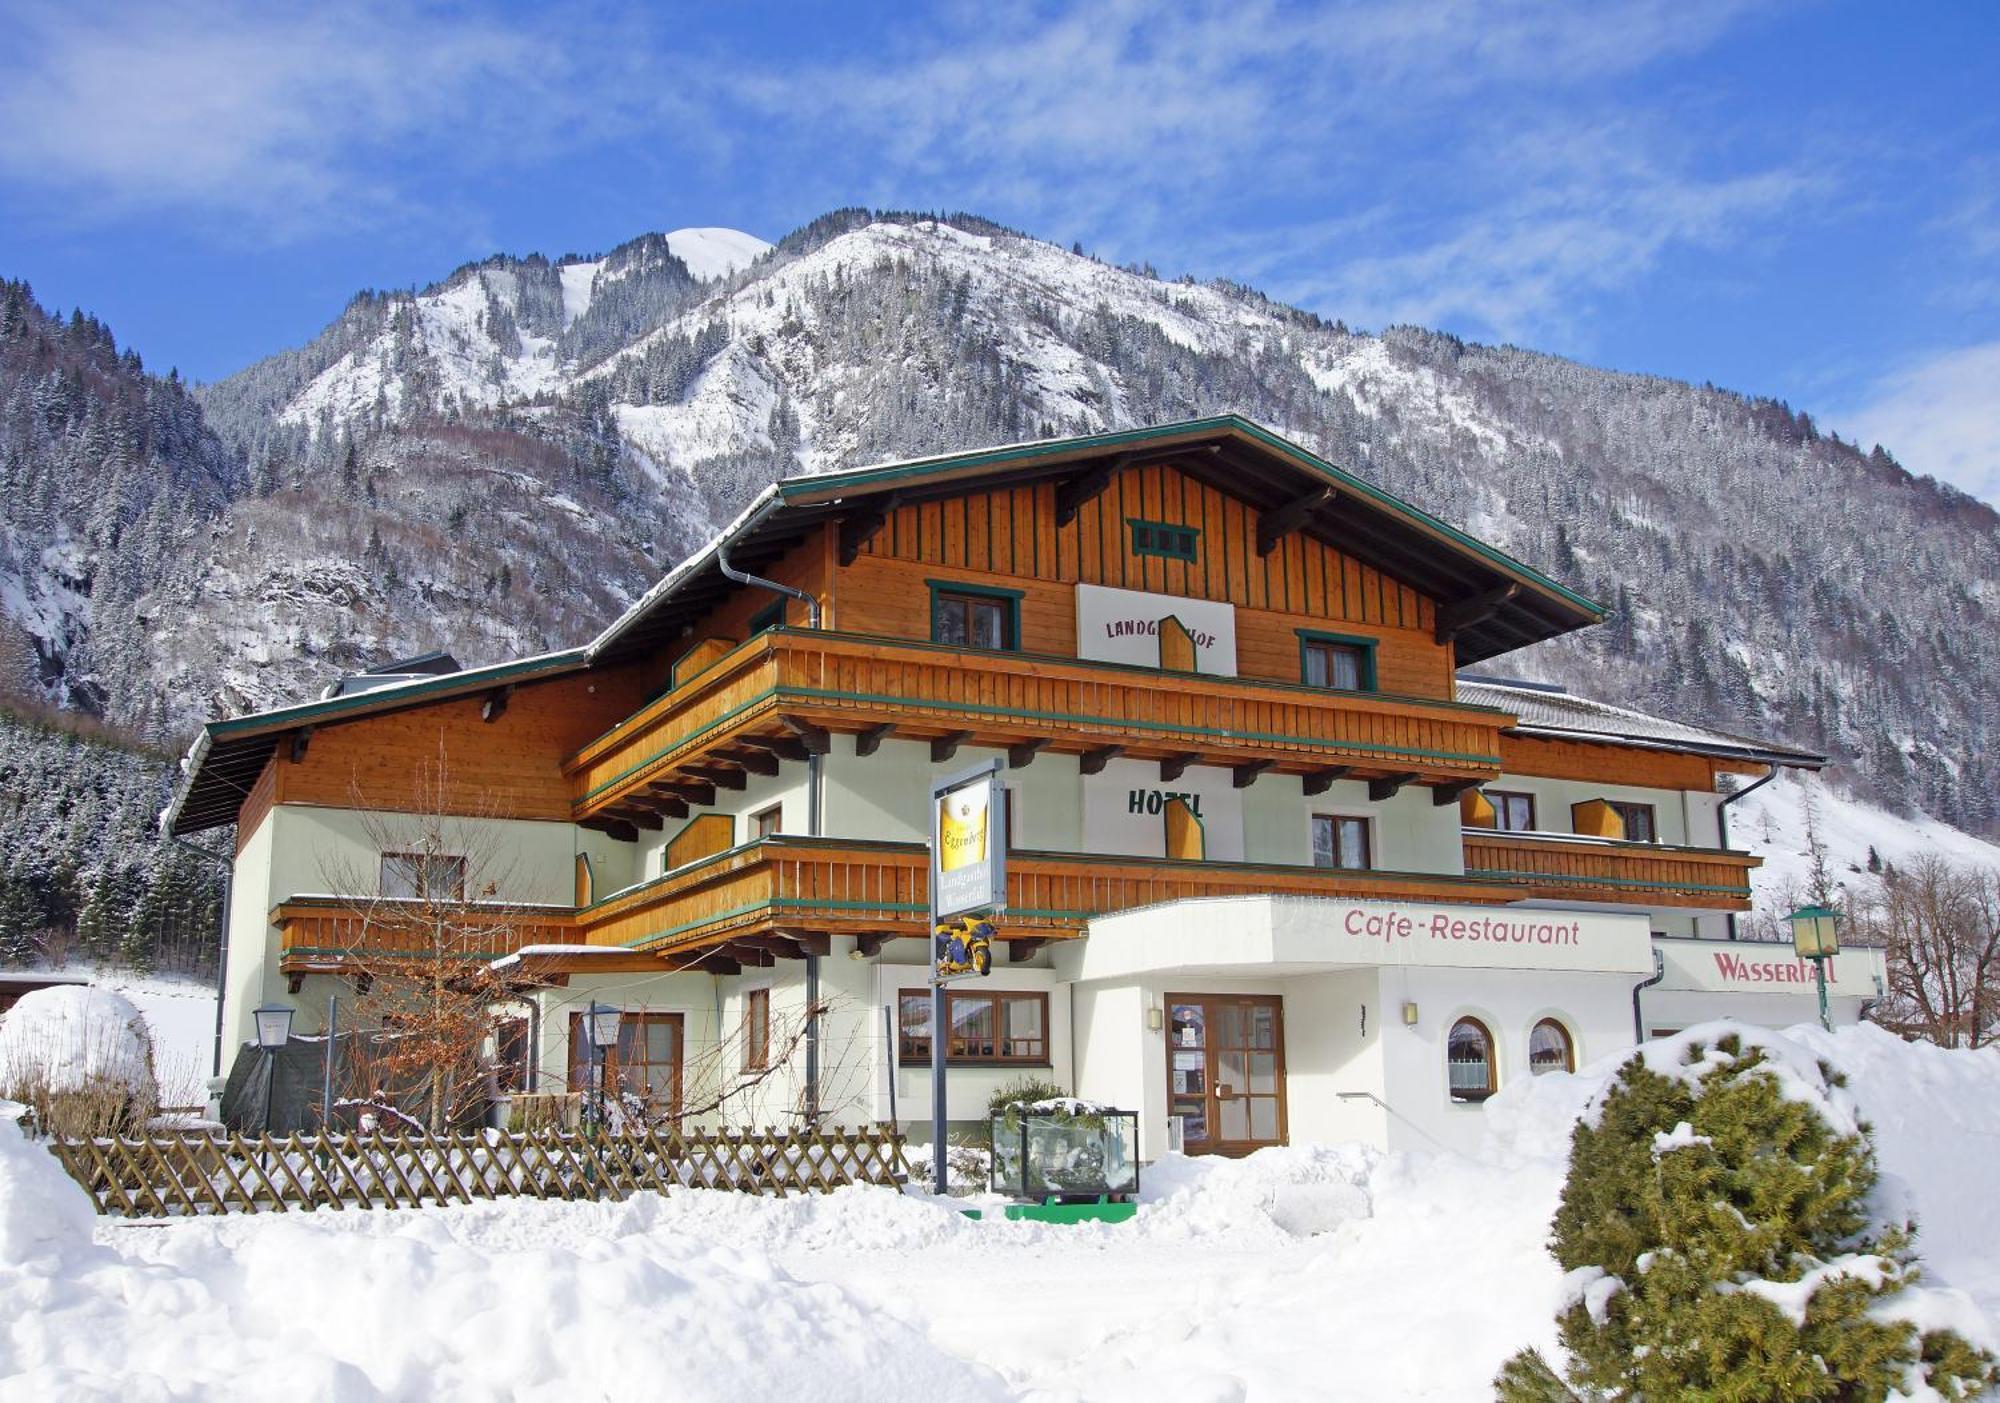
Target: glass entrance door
{"points": [[1226, 1071]]}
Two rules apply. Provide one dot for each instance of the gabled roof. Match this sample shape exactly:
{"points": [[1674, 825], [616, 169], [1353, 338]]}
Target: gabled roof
{"points": [[1554, 713], [1235, 455]]}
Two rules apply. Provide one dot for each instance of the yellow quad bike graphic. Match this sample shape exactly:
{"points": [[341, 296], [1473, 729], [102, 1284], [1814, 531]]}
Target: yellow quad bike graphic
{"points": [[964, 946]]}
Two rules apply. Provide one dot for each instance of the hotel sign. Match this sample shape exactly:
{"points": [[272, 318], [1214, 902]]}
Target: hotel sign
{"points": [[969, 844], [1123, 626], [1125, 803]]}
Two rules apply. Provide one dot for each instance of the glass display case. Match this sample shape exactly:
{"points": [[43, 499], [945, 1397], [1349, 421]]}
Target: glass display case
{"points": [[1065, 1150]]}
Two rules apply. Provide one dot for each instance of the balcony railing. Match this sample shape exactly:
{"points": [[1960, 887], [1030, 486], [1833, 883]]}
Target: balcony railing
{"points": [[786, 684], [787, 887], [1560, 867], [330, 934]]}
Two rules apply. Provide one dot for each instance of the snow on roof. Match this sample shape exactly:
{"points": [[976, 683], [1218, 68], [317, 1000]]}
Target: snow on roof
{"points": [[39, 977], [1549, 710]]}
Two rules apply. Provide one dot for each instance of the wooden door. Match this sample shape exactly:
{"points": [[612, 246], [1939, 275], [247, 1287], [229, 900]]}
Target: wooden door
{"points": [[1226, 1071]]}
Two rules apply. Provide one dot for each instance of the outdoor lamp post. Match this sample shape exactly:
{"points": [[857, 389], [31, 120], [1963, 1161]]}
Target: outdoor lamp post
{"points": [[274, 1030], [600, 1025], [1816, 937]]}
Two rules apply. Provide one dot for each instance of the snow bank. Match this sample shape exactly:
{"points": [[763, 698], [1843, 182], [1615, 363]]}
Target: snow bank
{"points": [[73, 1037], [1294, 1191], [519, 1300]]}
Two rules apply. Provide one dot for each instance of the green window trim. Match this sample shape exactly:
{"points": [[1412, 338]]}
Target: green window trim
{"points": [[1011, 598], [1365, 646], [769, 617], [1165, 539]]}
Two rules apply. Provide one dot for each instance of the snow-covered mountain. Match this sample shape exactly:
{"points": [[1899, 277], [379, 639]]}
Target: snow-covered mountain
{"points": [[496, 463]]}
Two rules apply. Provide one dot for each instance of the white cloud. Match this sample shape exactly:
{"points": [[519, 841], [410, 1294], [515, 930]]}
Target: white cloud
{"points": [[285, 113], [1939, 415]]}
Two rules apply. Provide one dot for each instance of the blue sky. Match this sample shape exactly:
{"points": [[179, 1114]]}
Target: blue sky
{"points": [[1794, 199]]}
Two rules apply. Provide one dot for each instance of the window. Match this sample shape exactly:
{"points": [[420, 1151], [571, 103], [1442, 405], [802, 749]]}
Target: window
{"points": [[765, 822], [757, 1030], [1340, 840], [1550, 1049], [423, 877], [645, 1063], [1512, 812], [987, 1027], [966, 617], [1335, 661], [513, 1057], [1639, 825], [1169, 542], [1468, 1059]]}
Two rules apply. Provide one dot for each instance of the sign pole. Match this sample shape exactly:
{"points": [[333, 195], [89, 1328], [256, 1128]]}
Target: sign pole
{"points": [[976, 861]]}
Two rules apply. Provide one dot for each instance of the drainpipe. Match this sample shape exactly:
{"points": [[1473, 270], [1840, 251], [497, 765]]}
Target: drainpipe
{"points": [[813, 785], [1722, 826], [1638, 1019], [222, 929]]}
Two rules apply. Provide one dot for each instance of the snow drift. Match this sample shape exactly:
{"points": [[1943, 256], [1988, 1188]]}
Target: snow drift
{"points": [[1309, 1272]]}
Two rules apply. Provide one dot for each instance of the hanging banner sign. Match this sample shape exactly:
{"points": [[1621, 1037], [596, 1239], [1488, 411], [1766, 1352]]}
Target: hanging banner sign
{"points": [[969, 844]]}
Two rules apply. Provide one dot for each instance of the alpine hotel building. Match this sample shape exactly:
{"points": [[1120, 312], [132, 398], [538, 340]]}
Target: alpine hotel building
{"points": [[1279, 869]]}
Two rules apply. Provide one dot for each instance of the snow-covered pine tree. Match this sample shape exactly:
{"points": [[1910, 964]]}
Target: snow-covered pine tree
{"points": [[1724, 1239]]}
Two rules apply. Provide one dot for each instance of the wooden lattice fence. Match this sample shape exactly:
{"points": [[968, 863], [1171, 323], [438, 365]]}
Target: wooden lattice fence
{"points": [[165, 1176]]}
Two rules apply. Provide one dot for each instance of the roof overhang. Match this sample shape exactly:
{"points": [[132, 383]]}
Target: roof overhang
{"points": [[1510, 604]]}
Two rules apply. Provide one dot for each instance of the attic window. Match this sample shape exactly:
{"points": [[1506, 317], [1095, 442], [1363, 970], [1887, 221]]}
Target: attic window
{"points": [[1169, 542]]}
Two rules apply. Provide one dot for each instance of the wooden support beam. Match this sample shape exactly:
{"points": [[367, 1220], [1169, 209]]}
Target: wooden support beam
{"points": [[720, 776], [746, 955], [860, 527], [495, 705], [630, 812], [1274, 525], [1025, 948], [301, 738], [665, 805], [1448, 793], [1092, 762], [1245, 775], [1388, 787], [1022, 755], [1175, 766], [1073, 493], [667, 802], [784, 747], [945, 746], [812, 737], [701, 796], [1320, 781], [869, 741], [1462, 614], [871, 944], [619, 831], [757, 762]]}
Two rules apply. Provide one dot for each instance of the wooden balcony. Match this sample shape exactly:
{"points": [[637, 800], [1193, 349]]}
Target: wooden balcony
{"points": [[336, 935], [1559, 867], [784, 895], [779, 696]]}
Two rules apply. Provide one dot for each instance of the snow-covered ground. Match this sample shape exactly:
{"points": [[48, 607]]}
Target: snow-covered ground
{"points": [[1310, 1272], [1772, 823], [180, 1014]]}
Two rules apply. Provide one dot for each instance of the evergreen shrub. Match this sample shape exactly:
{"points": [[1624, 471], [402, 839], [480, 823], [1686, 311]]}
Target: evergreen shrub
{"points": [[1726, 1238]]}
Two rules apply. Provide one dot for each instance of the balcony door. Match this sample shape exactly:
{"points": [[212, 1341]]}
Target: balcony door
{"points": [[1226, 1071]]}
